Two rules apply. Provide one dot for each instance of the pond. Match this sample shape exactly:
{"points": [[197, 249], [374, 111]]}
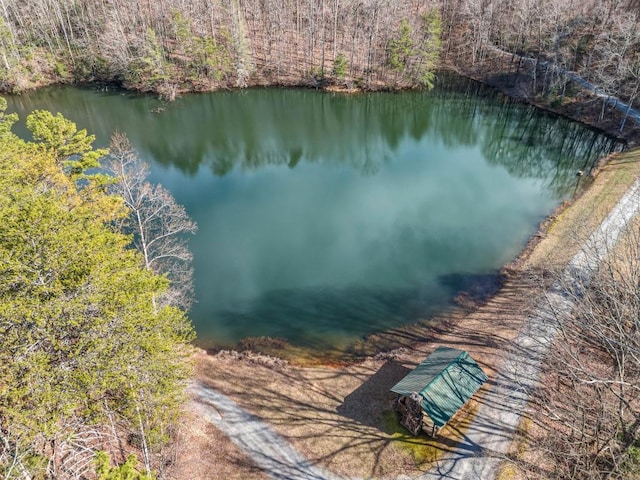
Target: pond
{"points": [[324, 217]]}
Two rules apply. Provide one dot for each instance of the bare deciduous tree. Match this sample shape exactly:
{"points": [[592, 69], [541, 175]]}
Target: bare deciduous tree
{"points": [[589, 400], [158, 223]]}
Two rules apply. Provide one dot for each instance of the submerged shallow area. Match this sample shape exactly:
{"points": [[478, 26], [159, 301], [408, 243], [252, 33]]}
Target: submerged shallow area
{"points": [[323, 217]]}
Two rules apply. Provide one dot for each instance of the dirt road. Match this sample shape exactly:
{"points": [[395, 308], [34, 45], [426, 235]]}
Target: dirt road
{"points": [[255, 438]]}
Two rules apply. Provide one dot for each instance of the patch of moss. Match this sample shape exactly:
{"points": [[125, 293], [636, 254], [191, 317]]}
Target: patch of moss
{"points": [[507, 471], [421, 449]]}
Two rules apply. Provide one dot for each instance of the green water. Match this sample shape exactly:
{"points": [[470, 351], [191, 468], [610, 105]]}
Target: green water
{"points": [[323, 218]]}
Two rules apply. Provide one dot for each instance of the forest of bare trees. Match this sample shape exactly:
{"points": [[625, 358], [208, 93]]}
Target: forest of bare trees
{"points": [[175, 45], [168, 46], [586, 408]]}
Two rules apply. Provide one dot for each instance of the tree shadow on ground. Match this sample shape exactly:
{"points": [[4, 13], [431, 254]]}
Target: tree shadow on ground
{"points": [[370, 405], [364, 404], [341, 416]]}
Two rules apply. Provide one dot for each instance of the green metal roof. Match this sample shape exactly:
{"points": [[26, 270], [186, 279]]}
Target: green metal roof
{"points": [[445, 380]]}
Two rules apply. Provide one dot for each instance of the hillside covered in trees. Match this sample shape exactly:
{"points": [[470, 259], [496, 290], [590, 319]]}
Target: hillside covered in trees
{"points": [[168, 46]]}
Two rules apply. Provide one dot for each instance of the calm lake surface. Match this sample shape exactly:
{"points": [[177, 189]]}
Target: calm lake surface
{"points": [[323, 218]]}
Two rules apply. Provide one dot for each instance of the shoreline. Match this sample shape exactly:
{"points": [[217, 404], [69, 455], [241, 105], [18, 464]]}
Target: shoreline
{"points": [[580, 109]]}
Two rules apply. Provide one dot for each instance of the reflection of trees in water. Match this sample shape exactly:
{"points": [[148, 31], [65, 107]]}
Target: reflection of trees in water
{"points": [[530, 144], [277, 127], [257, 128], [288, 313]]}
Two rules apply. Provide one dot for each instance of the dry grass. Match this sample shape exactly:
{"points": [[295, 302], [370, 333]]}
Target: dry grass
{"points": [[339, 415], [568, 229]]}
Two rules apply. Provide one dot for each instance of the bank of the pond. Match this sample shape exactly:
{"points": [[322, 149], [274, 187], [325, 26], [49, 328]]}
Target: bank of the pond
{"points": [[337, 414], [519, 78], [579, 104]]}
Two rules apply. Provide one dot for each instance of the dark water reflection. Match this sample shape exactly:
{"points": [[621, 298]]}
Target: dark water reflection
{"points": [[326, 217]]}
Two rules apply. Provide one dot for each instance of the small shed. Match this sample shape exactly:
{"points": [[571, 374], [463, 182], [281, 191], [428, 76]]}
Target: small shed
{"points": [[436, 389]]}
